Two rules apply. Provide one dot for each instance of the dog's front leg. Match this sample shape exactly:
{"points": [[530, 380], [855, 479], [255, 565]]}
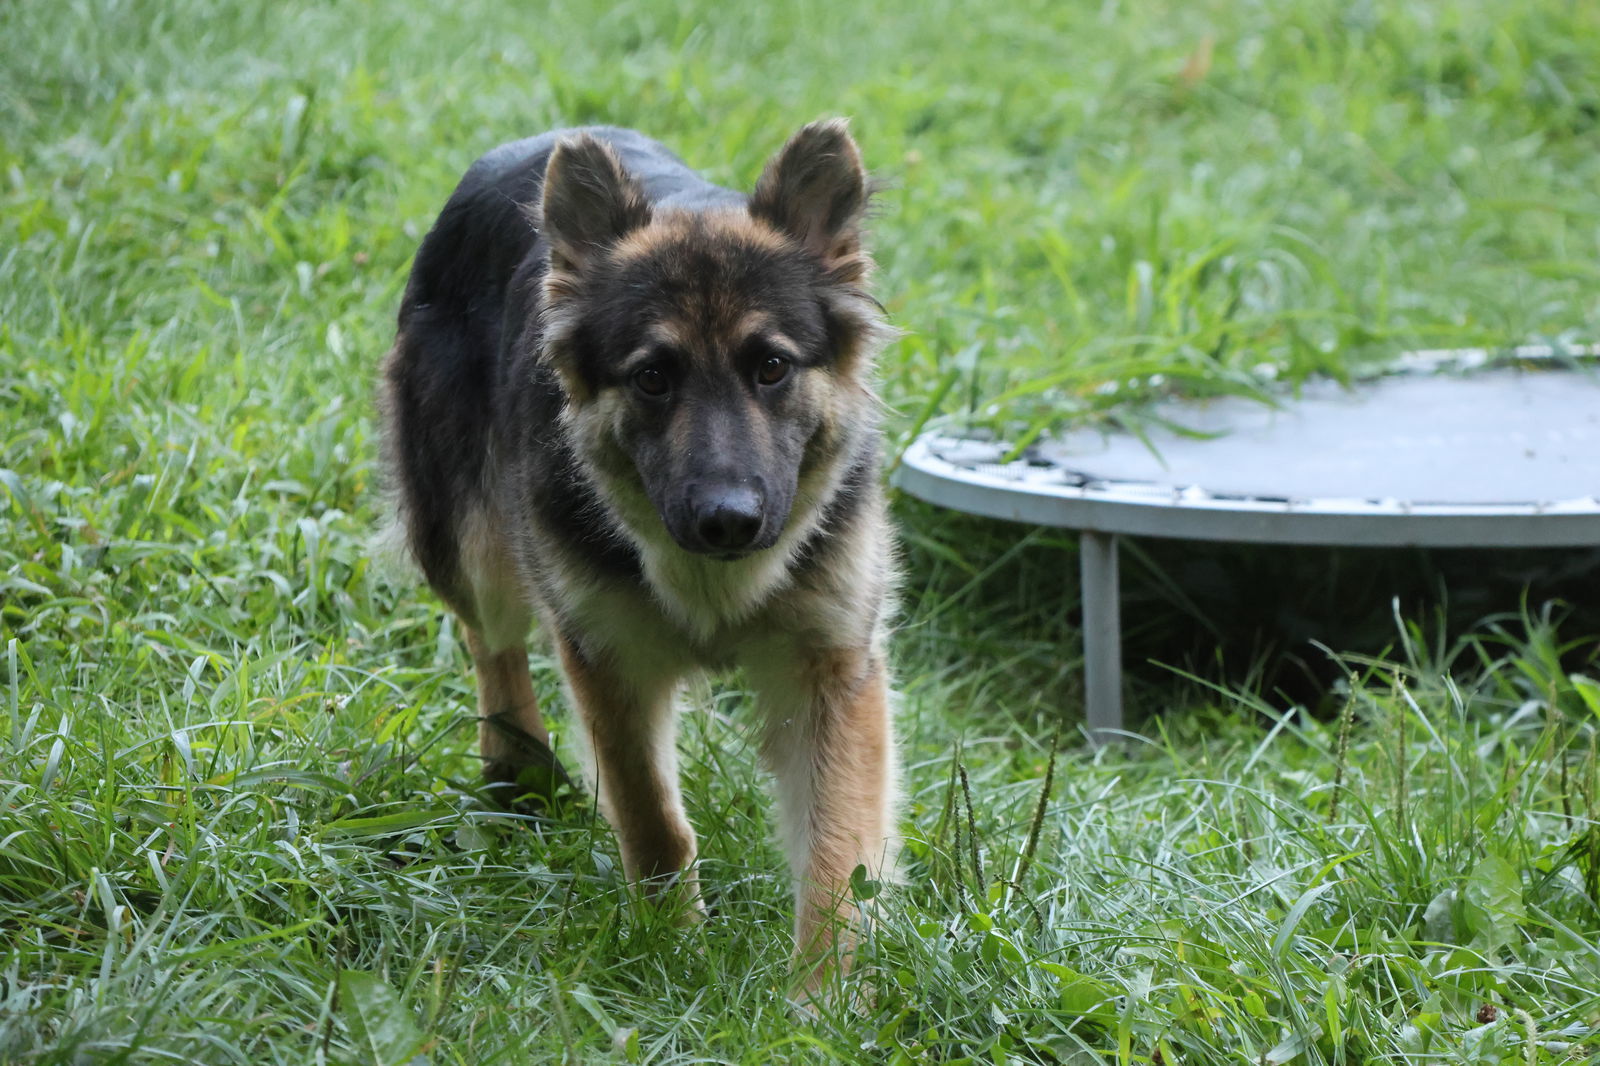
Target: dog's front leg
{"points": [[629, 717], [829, 741]]}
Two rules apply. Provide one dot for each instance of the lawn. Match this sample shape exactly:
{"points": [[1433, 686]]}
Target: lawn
{"points": [[237, 814]]}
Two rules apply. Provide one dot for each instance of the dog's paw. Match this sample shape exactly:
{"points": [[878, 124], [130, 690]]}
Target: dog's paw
{"points": [[536, 784]]}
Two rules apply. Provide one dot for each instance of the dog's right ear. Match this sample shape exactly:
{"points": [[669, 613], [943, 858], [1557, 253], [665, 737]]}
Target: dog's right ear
{"points": [[815, 189], [590, 201]]}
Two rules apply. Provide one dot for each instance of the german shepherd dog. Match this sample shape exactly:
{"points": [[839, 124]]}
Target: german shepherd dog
{"points": [[638, 407]]}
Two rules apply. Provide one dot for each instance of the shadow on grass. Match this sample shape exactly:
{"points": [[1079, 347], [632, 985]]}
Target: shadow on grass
{"points": [[1251, 616]]}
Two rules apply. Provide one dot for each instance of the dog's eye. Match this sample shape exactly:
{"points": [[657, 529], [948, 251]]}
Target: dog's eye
{"points": [[652, 381], [773, 370]]}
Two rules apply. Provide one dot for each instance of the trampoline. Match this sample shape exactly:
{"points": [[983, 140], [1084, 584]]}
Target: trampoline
{"points": [[1450, 449]]}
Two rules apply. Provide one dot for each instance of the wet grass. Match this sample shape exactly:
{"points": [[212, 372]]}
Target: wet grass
{"points": [[236, 814]]}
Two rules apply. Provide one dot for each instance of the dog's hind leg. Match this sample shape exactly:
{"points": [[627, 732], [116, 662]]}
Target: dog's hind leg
{"points": [[631, 726], [513, 741], [829, 741]]}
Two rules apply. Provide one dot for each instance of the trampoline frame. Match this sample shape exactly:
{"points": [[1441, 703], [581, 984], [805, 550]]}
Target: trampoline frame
{"points": [[1104, 510]]}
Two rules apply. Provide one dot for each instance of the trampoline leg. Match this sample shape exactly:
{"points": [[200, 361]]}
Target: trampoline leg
{"points": [[1102, 635]]}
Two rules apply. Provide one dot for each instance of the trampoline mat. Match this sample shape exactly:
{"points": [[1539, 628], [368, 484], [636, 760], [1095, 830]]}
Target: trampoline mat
{"points": [[1501, 436]]}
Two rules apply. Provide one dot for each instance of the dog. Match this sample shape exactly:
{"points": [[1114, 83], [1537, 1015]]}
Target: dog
{"points": [[638, 408]]}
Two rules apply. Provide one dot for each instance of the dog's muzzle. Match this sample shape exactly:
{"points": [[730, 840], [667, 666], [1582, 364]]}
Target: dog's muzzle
{"points": [[727, 520]]}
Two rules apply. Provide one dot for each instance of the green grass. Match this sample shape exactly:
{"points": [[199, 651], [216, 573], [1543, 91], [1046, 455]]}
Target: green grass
{"points": [[236, 815]]}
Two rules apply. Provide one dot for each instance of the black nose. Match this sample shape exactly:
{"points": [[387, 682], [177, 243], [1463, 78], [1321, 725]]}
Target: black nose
{"points": [[729, 519]]}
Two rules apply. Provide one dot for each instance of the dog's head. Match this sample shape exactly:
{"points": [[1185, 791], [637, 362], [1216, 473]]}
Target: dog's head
{"points": [[715, 361]]}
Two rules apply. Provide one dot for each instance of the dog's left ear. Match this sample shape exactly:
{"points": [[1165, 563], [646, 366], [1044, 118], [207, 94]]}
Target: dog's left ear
{"points": [[815, 190], [590, 201]]}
